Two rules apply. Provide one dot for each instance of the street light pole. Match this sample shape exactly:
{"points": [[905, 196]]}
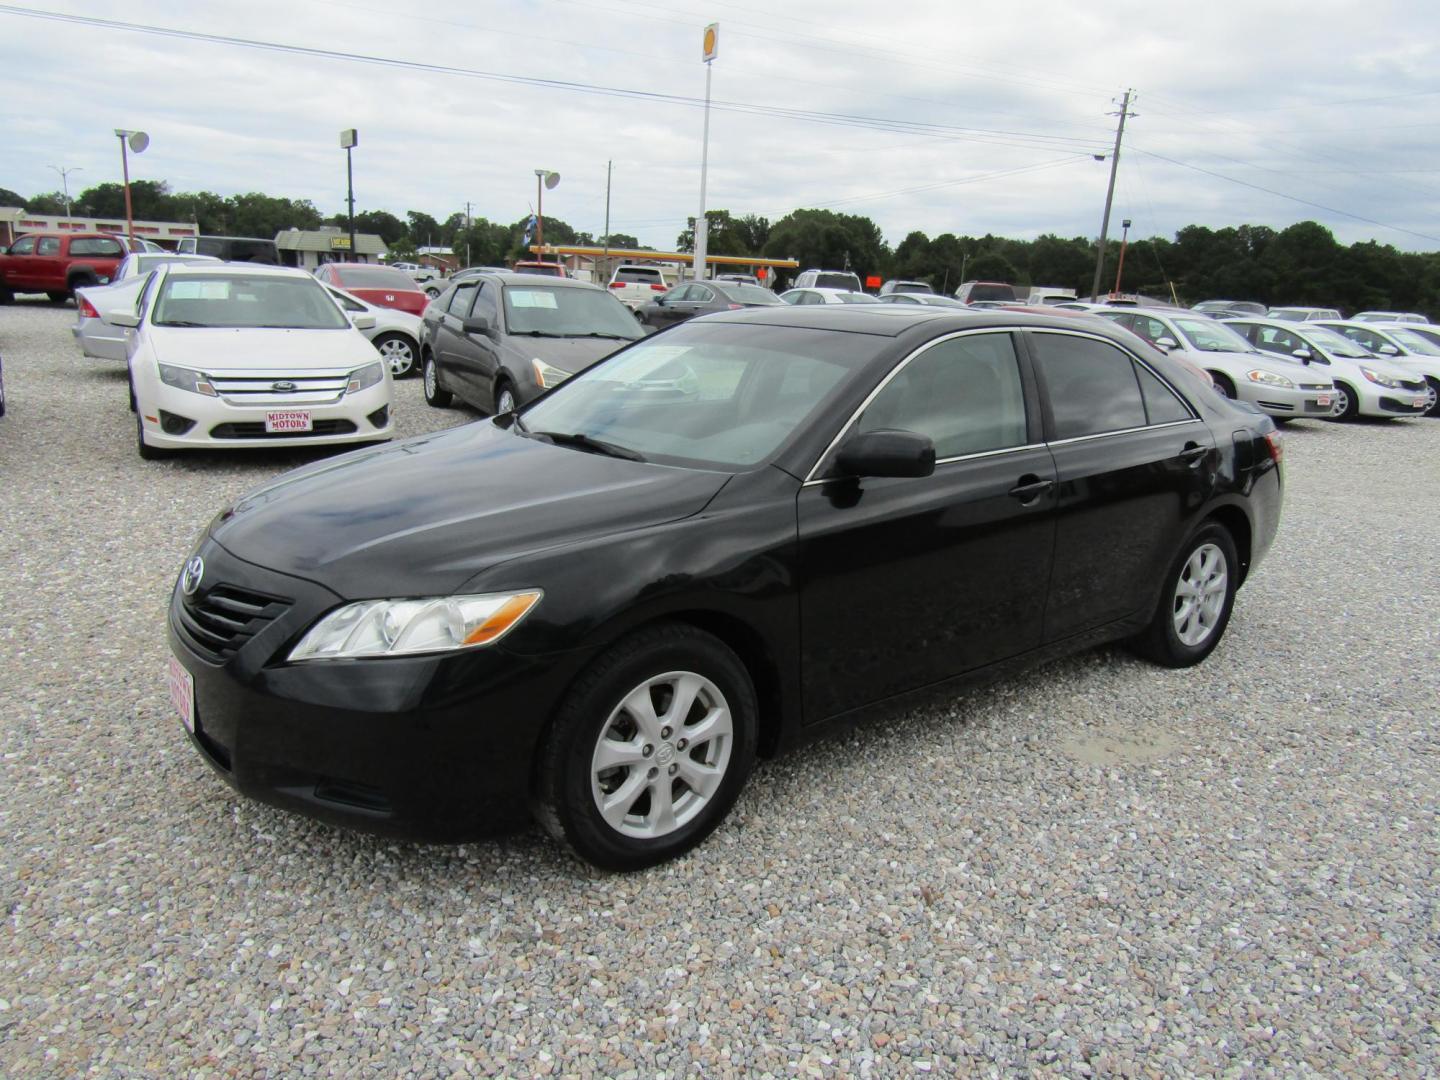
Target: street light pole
{"points": [[540, 210], [348, 140], [1110, 197], [137, 141], [65, 185]]}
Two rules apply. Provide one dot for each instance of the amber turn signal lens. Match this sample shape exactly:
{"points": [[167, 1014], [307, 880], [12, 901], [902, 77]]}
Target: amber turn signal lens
{"points": [[511, 612]]}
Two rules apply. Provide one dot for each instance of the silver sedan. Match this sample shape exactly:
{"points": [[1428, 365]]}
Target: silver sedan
{"points": [[99, 340], [396, 334]]}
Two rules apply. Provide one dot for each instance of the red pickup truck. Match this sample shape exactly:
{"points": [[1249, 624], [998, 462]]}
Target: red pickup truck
{"points": [[58, 263]]}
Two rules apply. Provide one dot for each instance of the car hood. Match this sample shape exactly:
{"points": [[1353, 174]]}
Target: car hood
{"points": [[567, 354], [238, 348], [423, 516]]}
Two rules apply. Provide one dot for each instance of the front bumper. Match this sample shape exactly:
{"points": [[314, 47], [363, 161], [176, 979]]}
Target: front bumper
{"points": [[1287, 401], [207, 422], [429, 748], [1388, 401]]}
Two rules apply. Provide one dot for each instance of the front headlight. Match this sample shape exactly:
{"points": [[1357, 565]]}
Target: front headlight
{"points": [[547, 375], [365, 377], [197, 382], [1378, 379], [372, 628], [1269, 378]]}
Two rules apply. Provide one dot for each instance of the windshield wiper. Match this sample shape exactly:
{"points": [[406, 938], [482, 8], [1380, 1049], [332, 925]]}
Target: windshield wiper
{"points": [[597, 333], [537, 333], [179, 322], [580, 441]]}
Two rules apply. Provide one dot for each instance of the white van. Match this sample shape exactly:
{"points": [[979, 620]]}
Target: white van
{"points": [[828, 279]]}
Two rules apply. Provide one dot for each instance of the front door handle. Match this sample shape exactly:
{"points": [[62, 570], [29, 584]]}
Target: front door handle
{"points": [[1030, 488], [1193, 453]]}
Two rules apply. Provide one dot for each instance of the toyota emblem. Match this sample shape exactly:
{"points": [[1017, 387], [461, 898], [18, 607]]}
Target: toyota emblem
{"points": [[191, 575]]}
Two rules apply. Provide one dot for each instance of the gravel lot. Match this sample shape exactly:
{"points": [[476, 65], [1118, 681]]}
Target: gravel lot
{"points": [[1100, 868]]}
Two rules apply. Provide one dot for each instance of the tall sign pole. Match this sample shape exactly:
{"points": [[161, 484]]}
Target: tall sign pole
{"points": [[702, 226], [1110, 196], [348, 138], [606, 266], [137, 141]]}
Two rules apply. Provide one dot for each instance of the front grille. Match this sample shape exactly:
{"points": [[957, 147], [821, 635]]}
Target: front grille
{"points": [[1417, 385], [255, 429], [257, 387], [1390, 404], [219, 623], [1316, 386]]}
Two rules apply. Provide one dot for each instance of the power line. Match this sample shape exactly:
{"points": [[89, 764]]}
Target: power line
{"points": [[1021, 139], [1283, 195]]}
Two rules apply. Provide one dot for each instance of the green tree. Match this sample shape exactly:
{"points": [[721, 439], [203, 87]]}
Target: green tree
{"points": [[11, 198], [380, 223], [991, 266], [423, 229], [150, 201], [830, 241], [1066, 263], [48, 204], [620, 240]]}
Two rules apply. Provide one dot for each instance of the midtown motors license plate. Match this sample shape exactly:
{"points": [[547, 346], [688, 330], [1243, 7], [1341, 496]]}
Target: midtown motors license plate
{"points": [[182, 693], [284, 421]]}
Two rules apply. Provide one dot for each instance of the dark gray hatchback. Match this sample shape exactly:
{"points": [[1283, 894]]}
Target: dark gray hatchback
{"points": [[498, 340]]}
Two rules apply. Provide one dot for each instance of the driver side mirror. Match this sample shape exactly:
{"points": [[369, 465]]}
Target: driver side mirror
{"points": [[476, 324], [1303, 355], [887, 453], [1388, 350], [121, 318], [364, 322], [1166, 343]]}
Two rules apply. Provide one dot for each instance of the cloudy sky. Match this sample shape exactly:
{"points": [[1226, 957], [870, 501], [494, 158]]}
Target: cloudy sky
{"points": [[926, 115]]}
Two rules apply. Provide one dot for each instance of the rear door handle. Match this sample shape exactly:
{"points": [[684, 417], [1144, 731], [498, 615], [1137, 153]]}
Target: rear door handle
{"points": [[1193, 452], [1030, 488]]}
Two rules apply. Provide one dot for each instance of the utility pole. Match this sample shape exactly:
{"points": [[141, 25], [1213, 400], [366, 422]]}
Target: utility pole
{"points": [[608, 166], [467, 232], [1110, 196]]}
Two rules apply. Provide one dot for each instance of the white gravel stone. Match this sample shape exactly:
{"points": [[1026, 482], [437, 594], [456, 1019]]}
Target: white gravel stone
{"points": [[1096, 869]]}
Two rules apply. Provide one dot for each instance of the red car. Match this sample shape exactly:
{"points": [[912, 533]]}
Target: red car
{"points": [[58, 263], [383, 286]]}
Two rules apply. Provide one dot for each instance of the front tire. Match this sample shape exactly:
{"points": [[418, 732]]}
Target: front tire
{"points": [[649, 749], [1434, 385], [1196, 599], [432, 291], [399, 352], [145, 450], [505, 401], [435, 396], [1347, 403], [1223, 386]]}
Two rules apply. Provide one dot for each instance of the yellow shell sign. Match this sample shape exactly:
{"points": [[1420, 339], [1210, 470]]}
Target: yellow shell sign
{"points": [[712, 41]]}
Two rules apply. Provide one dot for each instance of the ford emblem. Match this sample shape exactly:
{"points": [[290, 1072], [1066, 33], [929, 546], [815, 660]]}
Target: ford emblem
{"points": [[284, 386], [191, 575]]}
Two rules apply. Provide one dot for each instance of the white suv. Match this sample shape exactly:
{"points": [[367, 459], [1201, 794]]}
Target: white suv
{"points": [[828, 279], [635, 286]]}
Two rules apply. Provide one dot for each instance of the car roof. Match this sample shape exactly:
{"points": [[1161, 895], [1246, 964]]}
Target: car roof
{"points": [[892, 320], [230, 269]]}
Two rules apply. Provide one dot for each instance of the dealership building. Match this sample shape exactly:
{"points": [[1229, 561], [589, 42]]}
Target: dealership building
{"points": [[309, 248]]}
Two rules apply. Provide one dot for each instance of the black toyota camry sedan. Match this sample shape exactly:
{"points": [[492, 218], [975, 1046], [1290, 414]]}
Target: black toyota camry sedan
{"points": [[596, 611]]}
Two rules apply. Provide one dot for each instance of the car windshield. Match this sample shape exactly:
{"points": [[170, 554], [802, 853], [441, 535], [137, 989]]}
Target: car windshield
{"points": [[1211, 336], [249, 300], [723, 395], [749, 294], [375, 277], [1334, 343], [1415, 342], [837, 281], [560, 311], [911, 287], [988, 291]]}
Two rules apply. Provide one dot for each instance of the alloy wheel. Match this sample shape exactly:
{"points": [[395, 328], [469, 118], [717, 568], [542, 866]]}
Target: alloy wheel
{"points": [[662, 755], [399, 355], [1200, 595], [504, 401]]}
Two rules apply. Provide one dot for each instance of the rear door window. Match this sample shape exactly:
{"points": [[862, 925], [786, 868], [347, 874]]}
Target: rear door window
{"points": [[1092, 386], [100, 246], [48, 245], [460, 302]]}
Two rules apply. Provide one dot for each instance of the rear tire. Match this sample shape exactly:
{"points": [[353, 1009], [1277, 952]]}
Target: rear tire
{"points": [[673, 711], [435, 395], [399, 352], [1196, 599], [1347, 403]]}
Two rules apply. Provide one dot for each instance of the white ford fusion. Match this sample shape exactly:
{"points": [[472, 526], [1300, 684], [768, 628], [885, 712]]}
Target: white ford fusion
{"points": [[246, 355]]}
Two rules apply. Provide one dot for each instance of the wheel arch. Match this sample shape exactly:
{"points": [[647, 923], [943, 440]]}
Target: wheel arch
{"points": [[1237, 524]]}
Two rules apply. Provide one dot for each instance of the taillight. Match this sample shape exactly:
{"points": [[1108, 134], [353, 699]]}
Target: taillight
{"points": [[736, 307], [657, 288], [1273, 444], [87, 309], [617, 284]]}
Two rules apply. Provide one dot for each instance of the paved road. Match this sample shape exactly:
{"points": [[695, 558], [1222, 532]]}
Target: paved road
{"points": [[1099, 868]]}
